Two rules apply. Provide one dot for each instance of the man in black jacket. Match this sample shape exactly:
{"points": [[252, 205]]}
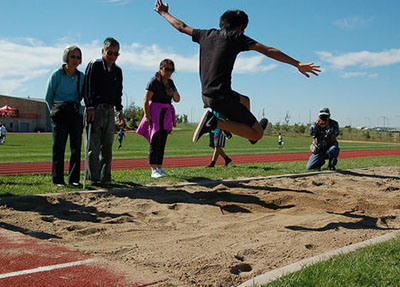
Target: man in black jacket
{"points": [[325, 146], [103, 92]]}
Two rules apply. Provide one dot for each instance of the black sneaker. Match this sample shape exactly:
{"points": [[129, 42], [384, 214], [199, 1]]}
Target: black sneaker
{"points": [[228, 160], [212, 164], [264, 124], [331, 167], [207, 123]]}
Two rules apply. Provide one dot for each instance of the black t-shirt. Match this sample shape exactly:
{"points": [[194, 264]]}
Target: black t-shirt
{"points": [[160, 90], [218, 52]]}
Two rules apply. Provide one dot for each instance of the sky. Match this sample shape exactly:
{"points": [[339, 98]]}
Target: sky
{"points": [[356, 43]]}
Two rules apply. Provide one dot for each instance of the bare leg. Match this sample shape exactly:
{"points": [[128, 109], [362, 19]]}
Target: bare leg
{"points": [[216, 154], [245, 101], [253, 133]]}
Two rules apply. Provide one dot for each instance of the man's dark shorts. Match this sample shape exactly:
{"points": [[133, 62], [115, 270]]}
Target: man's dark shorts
{"points": [[217, 140], [230, 107]]}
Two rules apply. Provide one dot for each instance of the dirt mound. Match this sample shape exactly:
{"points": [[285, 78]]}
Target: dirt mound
{"points": [[216, 235]]}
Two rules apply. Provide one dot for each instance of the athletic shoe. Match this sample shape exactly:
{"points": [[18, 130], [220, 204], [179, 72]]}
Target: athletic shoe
{"points": [[163, 172], [228, 135], [264, 124], [155, 173], [207, 123], [228, 160], [212, 164], [331, 167], [76, 184]]}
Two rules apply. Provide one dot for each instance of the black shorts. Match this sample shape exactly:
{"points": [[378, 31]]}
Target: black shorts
{"points": [[217, 140], [230, 107]]}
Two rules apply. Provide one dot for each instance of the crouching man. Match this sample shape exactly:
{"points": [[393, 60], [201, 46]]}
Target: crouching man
{"points": [[324, 146]]}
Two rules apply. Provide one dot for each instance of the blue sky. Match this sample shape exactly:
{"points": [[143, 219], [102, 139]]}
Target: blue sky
{"points": [[356, 42]]}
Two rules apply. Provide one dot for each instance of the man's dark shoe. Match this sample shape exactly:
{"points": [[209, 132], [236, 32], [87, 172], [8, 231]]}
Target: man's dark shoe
{"points": [[332, 167], [228, 160], [97, 183], [264, 124], [207, 123], [212, 164]]}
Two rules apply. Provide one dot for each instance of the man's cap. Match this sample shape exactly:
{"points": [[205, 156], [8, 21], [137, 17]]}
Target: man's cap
{"points": [[324, 112]]}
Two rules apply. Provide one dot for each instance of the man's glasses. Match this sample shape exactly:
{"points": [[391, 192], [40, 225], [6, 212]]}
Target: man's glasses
{"points": [[168, 69], [75, 57], [116, 54]]}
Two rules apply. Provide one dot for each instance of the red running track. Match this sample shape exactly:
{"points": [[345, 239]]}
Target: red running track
{"points": [[190, 161], [29, 262]]}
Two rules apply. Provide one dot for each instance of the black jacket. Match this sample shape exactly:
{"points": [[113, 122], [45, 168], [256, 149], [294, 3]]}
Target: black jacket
{"points": [[103, 86]]}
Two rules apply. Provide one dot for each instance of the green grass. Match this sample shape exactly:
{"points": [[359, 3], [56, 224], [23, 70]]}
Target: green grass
{"points": [[376, 266], [37, 147]]}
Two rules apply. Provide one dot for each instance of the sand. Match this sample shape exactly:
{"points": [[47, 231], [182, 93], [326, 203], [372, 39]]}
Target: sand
{"points": [[218, 233]]}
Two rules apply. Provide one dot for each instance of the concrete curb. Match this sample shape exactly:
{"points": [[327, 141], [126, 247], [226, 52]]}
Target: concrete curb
{"points": [[277, 273]]}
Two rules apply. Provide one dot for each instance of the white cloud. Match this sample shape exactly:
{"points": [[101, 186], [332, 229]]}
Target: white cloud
{"points": [[24, 60], [362, 59], [351, 23], [117, 2], [348, 75]]}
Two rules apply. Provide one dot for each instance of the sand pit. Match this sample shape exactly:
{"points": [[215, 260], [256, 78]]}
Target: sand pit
{"points": [[220, 234]]}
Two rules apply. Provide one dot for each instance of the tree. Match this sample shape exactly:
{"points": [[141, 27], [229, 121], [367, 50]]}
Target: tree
{"points": [[133, 114]]}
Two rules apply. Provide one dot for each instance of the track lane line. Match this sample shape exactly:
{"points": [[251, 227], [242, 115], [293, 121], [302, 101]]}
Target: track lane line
{"points": [[46, 268]]}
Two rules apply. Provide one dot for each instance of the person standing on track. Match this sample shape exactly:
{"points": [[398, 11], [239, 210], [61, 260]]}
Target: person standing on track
{"points": [[217, 143], [218, 51]]}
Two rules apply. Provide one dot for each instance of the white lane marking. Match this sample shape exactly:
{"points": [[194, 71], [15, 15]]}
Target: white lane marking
{"points": [[45, 268]]}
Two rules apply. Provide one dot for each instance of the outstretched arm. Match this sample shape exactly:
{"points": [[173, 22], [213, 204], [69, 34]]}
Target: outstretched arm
{"points": [[278, 55], [162, 9]]}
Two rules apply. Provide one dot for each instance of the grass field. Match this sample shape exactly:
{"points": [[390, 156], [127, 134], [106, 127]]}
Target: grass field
{"points": [[376, 266], [37, 147]]}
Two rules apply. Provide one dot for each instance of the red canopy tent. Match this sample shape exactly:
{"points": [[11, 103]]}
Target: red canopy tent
{"points": [[8, 111]]}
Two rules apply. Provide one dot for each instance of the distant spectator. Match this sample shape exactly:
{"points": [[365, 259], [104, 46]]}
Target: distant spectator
{"points": [[217, 143], [324, 146], [63, 97], [121, 135], [280, 140], [3, 133]]}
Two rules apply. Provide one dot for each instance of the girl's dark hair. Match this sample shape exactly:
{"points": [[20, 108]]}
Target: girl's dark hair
{"points": [[164, 63], [233, 19]]}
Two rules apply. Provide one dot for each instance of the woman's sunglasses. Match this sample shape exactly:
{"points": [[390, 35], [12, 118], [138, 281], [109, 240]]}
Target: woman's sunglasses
{"points": [[116, 54], [168, 69], [75, 57]]}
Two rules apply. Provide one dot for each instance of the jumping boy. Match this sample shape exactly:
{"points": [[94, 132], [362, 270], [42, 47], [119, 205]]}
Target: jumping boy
{"points": [[218, 51]]}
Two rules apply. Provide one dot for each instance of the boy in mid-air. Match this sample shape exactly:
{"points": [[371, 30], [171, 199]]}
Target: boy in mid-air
{"points": [[218, 51]]}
